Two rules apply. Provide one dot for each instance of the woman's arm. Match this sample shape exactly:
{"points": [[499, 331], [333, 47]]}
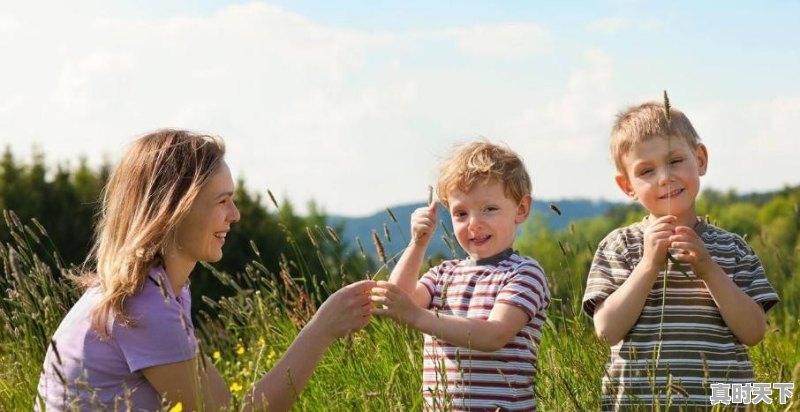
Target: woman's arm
{"points": [[345, 311]]}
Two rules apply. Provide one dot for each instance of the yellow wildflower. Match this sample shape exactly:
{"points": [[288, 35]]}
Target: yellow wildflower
{"points": [[235, 387], [262, 342], [216, 355], [239, 350], [178, 407], [271, 354]]}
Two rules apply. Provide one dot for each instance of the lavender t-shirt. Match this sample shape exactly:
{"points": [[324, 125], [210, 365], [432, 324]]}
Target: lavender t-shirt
{"points": [[106, 374]]}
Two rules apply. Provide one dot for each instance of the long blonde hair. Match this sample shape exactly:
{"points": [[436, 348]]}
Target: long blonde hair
{"points": [[147, 195]]}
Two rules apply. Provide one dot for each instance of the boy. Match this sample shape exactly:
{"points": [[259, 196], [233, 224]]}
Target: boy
{"points": [[481, 316], [671, 338]]}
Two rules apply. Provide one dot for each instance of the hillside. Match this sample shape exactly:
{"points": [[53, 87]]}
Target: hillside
{"points": [[362, 227]]}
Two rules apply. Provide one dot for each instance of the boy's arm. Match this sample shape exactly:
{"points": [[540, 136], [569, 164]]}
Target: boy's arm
{"points": [[742, 314], [406, 272], [615, 316], [504, 321]]}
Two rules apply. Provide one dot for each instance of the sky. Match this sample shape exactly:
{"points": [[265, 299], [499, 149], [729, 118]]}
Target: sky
{"points": [[354, 104]]}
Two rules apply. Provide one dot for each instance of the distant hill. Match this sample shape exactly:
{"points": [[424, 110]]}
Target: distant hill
{"points": [[362, 227]]}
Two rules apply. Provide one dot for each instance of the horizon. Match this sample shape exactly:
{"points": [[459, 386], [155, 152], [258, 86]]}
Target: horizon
{"points": [[352, 105]]}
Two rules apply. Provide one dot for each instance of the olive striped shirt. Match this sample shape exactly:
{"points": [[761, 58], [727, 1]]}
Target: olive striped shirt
{"points": [[693, 347], [462, 379]]}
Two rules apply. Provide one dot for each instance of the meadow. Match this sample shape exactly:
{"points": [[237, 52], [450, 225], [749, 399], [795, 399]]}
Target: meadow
{"points": [[379, 368]]}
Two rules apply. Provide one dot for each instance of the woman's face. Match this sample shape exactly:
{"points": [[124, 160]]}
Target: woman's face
{"points": [[202, 232]]}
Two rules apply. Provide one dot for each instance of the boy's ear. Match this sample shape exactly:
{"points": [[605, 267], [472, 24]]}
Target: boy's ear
{"points": [[624, 184], [523, 209], [702, 158]]}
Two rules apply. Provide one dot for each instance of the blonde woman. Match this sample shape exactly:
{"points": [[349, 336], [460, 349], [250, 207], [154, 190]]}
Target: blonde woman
{"points": [[129, 343]]}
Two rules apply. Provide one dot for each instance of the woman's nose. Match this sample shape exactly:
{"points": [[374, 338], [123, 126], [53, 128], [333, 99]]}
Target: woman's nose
{"points": [[235, 215]]}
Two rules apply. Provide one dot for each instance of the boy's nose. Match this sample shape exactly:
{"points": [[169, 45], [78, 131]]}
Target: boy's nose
{"points": [[474, 221], [664, 176]]}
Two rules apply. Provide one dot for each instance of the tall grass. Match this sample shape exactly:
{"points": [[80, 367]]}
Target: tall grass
{"points": [[377, 369]]}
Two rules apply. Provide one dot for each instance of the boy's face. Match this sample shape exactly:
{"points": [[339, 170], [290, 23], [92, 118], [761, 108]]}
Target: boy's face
{"points": [[485, 220], [663, 175]]}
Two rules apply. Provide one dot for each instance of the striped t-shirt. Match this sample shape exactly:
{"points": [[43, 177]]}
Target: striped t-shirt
{"points": [[458, 378], [693, 347]]}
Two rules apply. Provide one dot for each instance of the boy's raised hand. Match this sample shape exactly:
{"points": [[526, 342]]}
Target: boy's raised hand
{"points": [[691, 250], [423, 223], [657, 240], [394, 303]]}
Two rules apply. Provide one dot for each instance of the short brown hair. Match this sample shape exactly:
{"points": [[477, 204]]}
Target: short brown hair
{"points": [[641, 123], [480, 161]]}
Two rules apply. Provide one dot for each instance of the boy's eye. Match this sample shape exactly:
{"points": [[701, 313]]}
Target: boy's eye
{"points": [[645, 171], [676, 161], [490, 208]]}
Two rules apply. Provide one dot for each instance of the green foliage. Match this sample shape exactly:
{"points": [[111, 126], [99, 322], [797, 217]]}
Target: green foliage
{"points": [[66, 202], [278, 266]]}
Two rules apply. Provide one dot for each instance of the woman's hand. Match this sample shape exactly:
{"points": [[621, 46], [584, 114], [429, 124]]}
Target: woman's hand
{"points": [[346, 311]]}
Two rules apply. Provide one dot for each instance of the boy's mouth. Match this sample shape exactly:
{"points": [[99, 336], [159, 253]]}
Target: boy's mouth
{"points": [[671, 194], [479, 240]]}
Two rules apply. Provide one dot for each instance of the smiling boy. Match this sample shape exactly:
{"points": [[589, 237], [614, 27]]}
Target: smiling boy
{"points": [[673, 329], [482, 316]]}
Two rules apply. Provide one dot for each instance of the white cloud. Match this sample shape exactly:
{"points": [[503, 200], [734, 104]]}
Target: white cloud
{"points": [[608, 24], [501, 40], [354, 120], [754, 151], [565, 139], [8, 24], [616, 24]]}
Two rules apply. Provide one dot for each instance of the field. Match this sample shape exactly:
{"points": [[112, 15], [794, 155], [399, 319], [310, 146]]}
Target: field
{"points": [[377, 369]]}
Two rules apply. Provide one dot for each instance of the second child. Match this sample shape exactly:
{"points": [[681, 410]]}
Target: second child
{"points": [[675, 328], [481, 316]]}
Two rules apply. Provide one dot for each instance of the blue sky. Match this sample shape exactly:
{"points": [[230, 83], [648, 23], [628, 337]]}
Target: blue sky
{"points": [[353, 104]]}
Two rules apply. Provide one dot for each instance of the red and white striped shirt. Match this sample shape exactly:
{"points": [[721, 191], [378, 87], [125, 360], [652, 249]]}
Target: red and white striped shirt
{"points": [[459, 378]]}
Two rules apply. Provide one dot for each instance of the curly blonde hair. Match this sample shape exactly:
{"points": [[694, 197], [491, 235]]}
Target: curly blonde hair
{"points": [[482, 161]]}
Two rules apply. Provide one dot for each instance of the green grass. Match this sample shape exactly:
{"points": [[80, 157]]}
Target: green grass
{"points": [[377, 369]]}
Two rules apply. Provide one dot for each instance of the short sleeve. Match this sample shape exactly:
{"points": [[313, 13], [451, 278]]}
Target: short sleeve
{"points": [[161, 332], [749, 276], [608, 271], [429, 280], [526, 289], [433, 277]]}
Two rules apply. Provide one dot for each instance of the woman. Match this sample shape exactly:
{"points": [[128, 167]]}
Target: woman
{"points": [[129, 343]]}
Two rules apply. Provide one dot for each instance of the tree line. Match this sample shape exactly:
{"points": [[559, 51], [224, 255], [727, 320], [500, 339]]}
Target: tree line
{"points": [[64, 200], [273, 237]]}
